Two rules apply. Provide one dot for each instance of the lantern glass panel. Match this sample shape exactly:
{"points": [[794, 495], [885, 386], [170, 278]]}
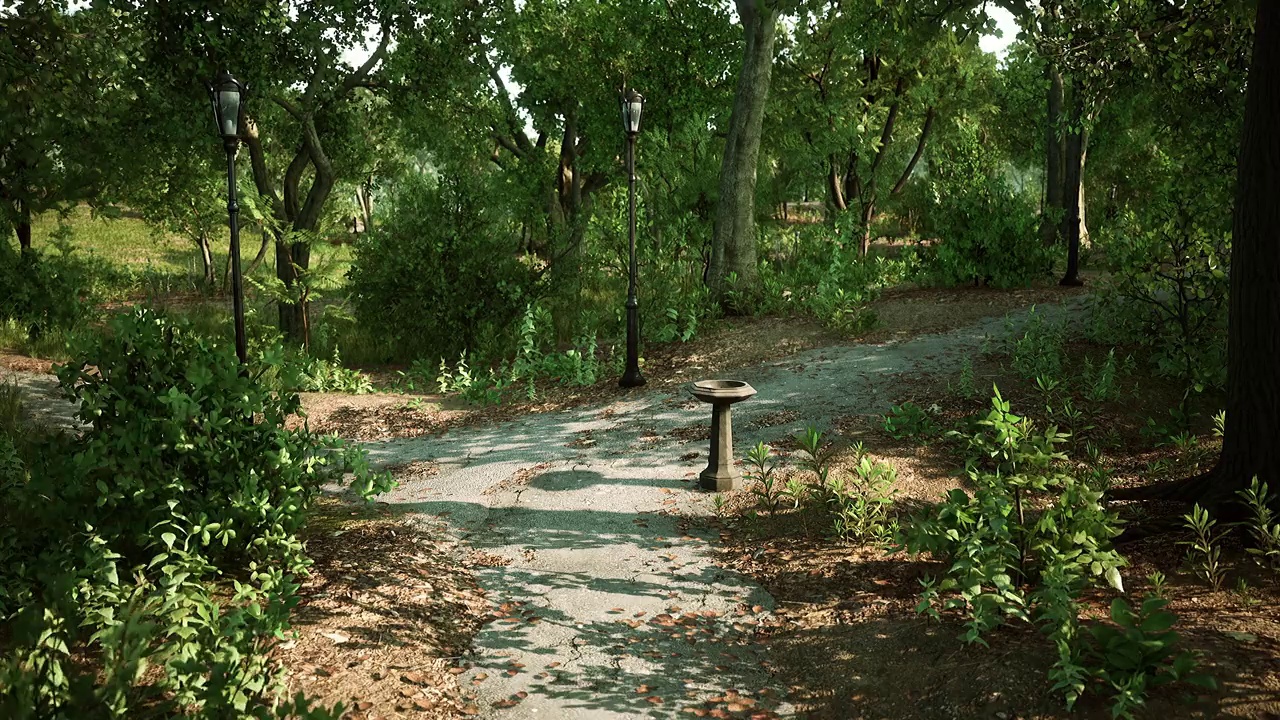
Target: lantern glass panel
{"points": [[228, 110]]}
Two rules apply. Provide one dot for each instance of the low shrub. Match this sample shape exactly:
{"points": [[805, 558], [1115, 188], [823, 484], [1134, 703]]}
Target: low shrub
{"points": [[440, 274], [44, 292], [987, 231], [156, 556]]}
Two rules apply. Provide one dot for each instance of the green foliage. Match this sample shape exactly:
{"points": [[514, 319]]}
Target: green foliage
{"points": [[578, 365], [858, 503], [763, 475], [42, 290], [987, 231], [1101, 380], [1038, 348], [1170, 286], [164, 535], [319, 375], [1139, 654], [440, 275], [1204, 550], [965, 387], [1264, 530], [1026, 526], [908, 420], [814, 274]]}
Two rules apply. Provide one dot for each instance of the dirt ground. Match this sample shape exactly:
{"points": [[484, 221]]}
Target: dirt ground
{"points": [[385, 614], [390, 607], [849, 643], [730, 344]]}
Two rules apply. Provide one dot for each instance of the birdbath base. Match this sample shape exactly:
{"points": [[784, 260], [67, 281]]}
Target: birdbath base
{"points": [[721, 475]]}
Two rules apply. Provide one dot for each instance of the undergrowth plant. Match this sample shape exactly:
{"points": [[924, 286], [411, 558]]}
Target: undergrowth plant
{"points": [[1038, 349], [1264, 531], [1204, 550], [908, 420], [763, 476], [579, 365], [1023, 544], [858, 503], [1138, 653], [157, 555]]}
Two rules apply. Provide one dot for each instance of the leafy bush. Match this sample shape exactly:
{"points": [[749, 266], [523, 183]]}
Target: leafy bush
{"points": [[1025, 545], [42, 291], [440, 274], [908, 420], [578, 365], [320, 375], [1169, 288], [828, 281], [1139, 654], [1038, 348], [986, 230], [1027, 540], [164, 535]]}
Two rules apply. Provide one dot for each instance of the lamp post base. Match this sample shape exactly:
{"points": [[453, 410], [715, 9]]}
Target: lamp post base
{"points": [[631, 378]]}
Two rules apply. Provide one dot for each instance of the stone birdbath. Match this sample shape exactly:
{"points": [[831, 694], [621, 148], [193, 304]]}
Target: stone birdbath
{"points": [[720, 474]]}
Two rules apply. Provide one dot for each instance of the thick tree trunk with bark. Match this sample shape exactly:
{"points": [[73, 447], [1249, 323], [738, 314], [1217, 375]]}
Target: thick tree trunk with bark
{"points": [[733, 247], [206, 260], [23, 227], [1054, 179], [1076, 144], [1251, 446]]}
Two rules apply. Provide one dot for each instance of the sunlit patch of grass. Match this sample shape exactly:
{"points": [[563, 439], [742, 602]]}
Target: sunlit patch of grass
{"points": [[141, 260]]}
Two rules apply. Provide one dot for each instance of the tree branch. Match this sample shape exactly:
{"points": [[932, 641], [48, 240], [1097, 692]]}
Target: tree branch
{"points": [[911, 165], [360, 76], [258, 162]]}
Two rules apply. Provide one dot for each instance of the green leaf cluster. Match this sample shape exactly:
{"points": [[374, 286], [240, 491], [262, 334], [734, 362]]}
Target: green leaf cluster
{"points": [[154, 556]]}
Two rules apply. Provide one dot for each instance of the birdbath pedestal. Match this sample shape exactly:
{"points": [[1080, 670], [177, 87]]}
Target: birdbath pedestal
{"points": [[720, 474]]}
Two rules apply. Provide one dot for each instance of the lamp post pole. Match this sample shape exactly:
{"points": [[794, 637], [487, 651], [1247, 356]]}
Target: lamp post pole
{"points": [[632, 376], [237, 287], [227, 95]]}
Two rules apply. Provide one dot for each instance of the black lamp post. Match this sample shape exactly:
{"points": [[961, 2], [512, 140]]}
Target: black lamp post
{"points": [[227, 95], [632, 104]]}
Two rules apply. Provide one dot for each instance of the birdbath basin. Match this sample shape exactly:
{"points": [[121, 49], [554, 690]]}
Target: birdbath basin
{"points": [[720, 474]]}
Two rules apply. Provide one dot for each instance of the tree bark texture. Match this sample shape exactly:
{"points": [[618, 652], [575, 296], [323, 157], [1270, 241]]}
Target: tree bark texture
{"points": [[1054, 179], [733, 247], [206, 260], [1072, 222], [1251, 446], [23, 226]]}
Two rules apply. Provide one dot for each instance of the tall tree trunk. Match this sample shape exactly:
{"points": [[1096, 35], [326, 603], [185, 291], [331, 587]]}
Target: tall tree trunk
{"points": [[23, 228], [1054, 179], [868, 189], [835, 189], [733, 247], [206, 261], [1084, 157], [1251, 445], [1071, 223], [292, 261]]}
